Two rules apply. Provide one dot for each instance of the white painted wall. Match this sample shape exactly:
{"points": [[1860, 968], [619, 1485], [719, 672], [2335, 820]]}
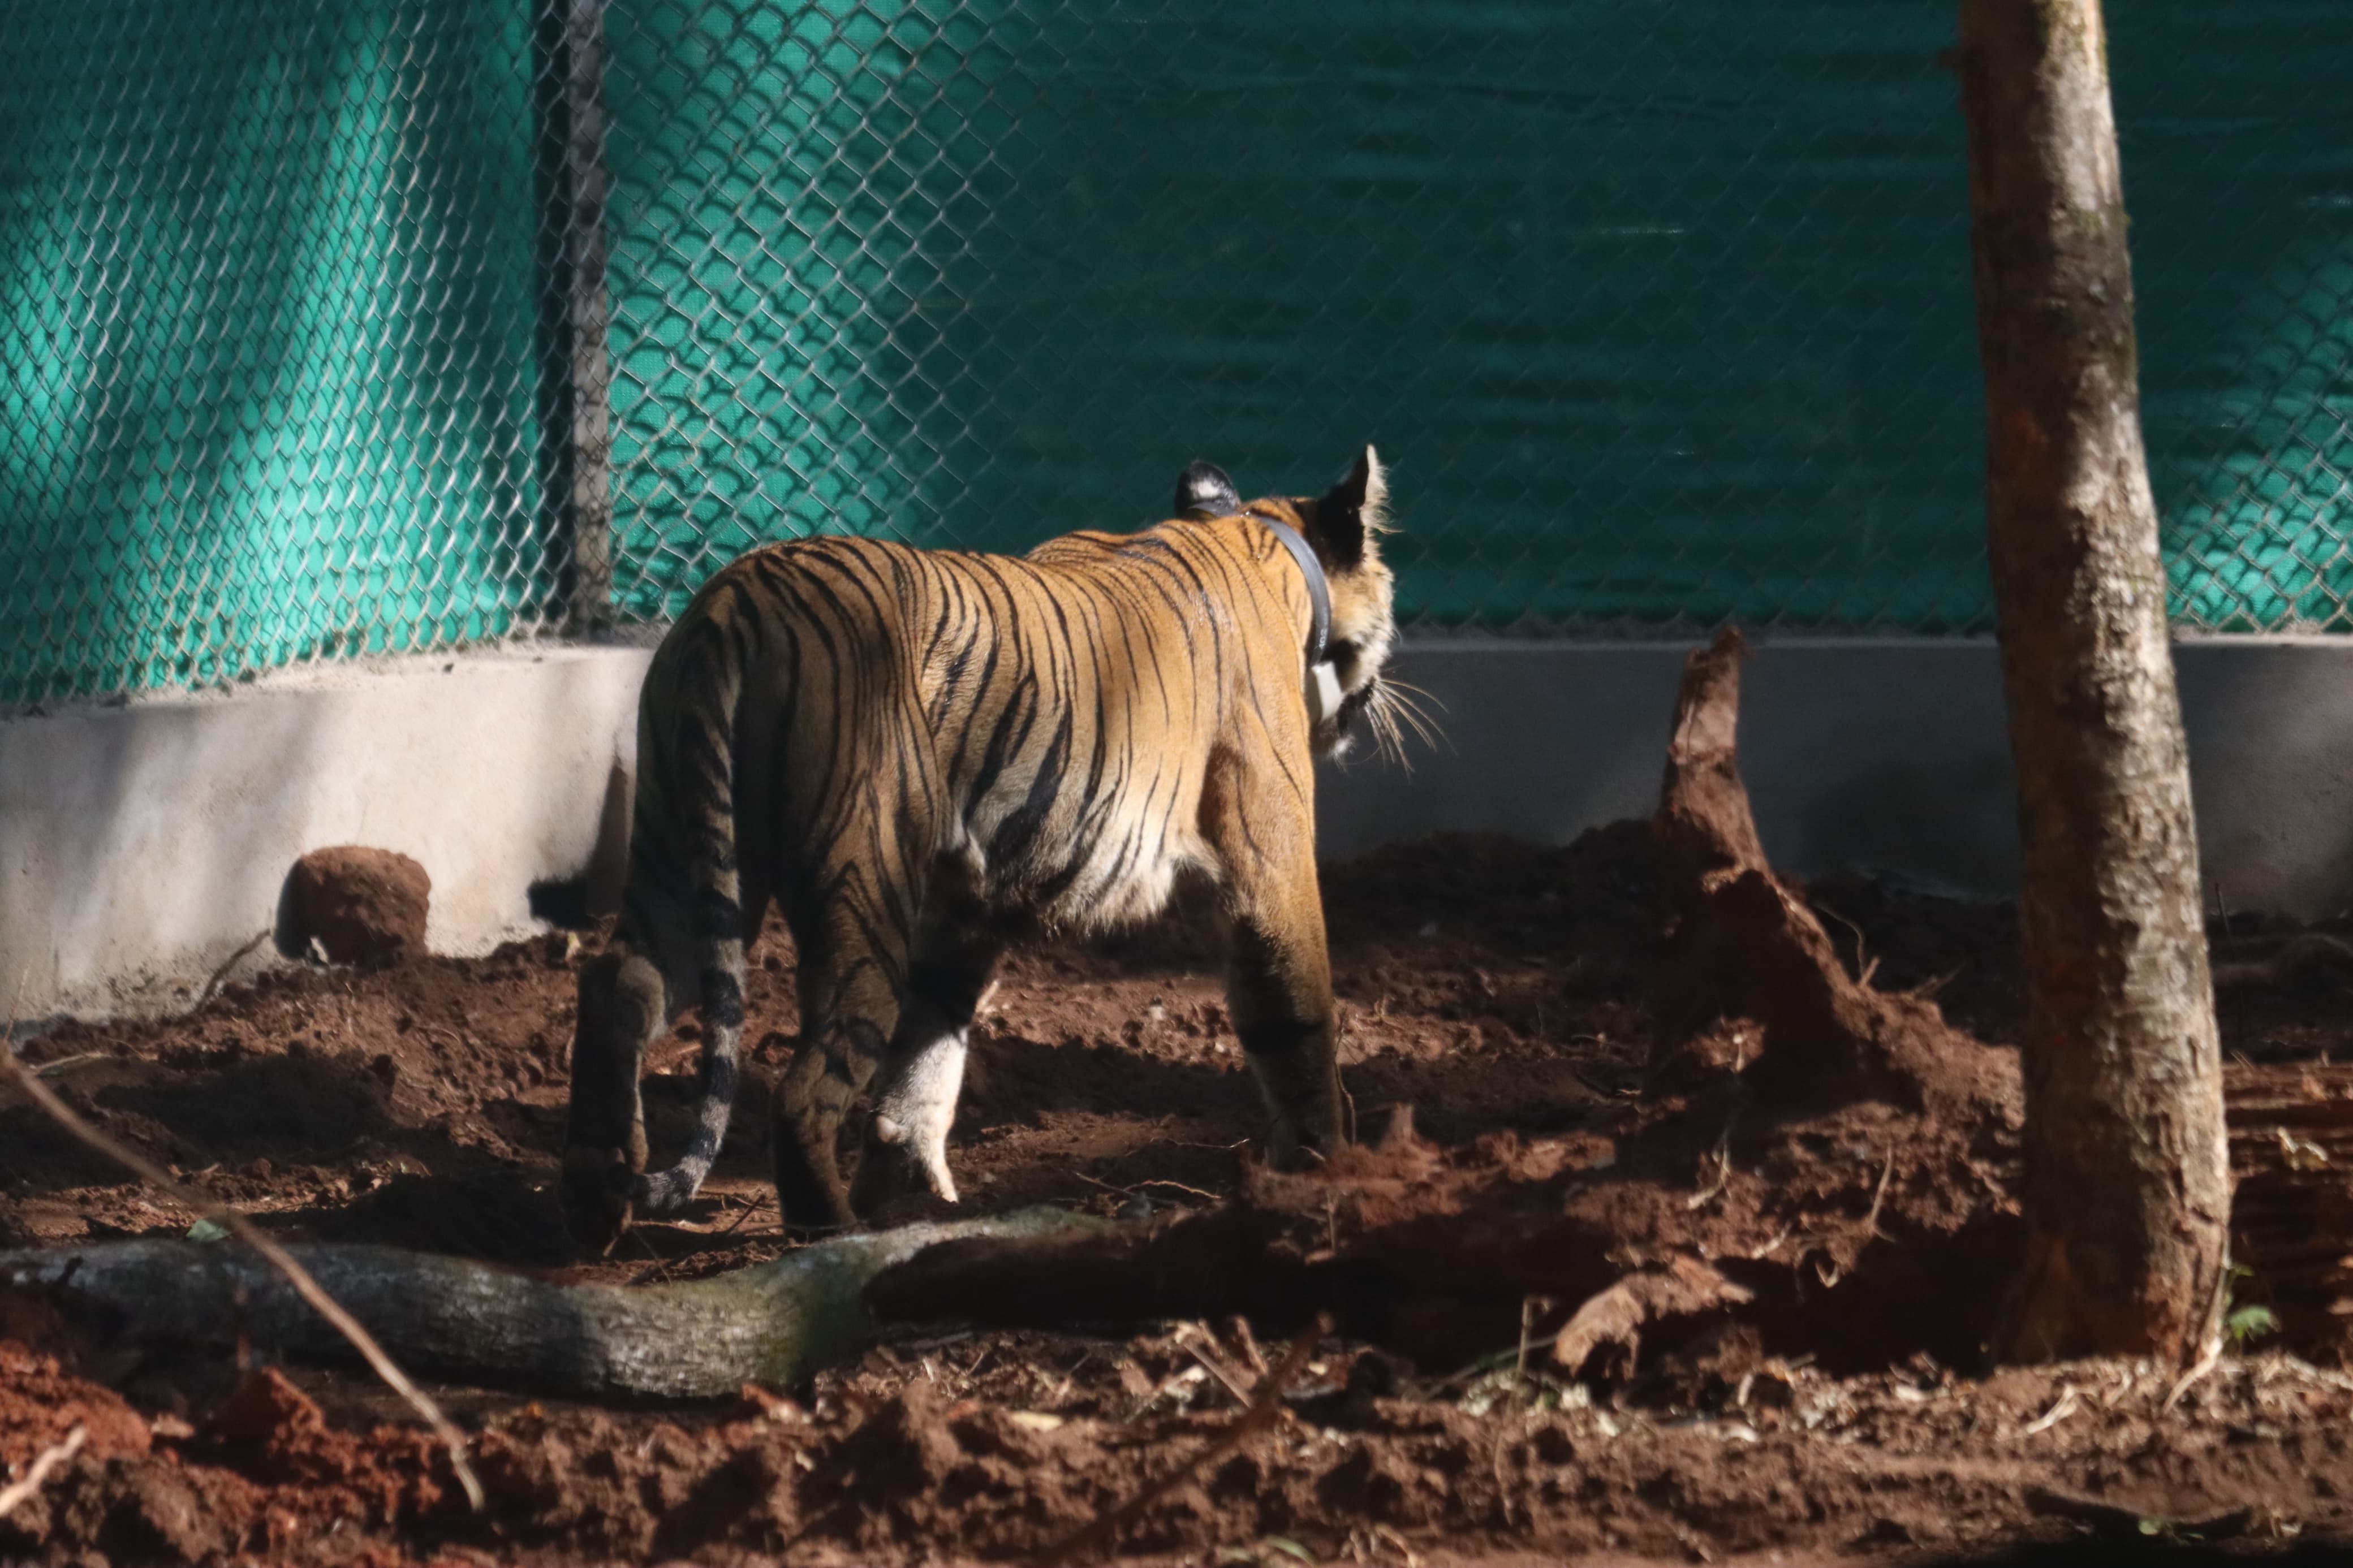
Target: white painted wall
{"points": [[1892, 752], [1884, 751], [141, 845]]}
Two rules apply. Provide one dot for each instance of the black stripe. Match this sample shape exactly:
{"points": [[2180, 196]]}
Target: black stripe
{"points": [[723, 999], [1007, 736], [1013, 835]]}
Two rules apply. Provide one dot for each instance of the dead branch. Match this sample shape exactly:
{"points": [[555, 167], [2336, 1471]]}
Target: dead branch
{"points": [[213, 982], [1212, 1363], [33, 1089]]}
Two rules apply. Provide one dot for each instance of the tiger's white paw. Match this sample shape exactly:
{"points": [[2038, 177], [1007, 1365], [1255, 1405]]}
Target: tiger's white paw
{"points": [[916, 1112]]}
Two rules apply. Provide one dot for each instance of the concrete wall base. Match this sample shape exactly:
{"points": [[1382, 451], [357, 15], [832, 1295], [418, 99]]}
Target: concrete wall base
{"points": [[1867, 750], [144, 845]]}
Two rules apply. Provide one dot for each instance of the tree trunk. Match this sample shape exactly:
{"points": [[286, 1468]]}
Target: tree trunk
{"points": [[2128, 1184]]}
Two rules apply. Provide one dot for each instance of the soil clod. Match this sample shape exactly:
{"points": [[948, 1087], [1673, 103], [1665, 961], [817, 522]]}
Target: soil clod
{"points": [[358, 905]]}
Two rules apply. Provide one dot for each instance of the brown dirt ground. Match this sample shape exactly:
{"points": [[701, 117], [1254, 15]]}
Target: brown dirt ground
{"points": [[1501, 991]]}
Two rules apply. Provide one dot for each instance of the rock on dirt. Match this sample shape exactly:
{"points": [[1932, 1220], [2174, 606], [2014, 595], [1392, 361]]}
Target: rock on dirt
{"points": [[360, 905]]}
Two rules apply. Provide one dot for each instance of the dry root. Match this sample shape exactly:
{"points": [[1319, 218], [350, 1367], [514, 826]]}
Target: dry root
{"points": [[1751, 983]]}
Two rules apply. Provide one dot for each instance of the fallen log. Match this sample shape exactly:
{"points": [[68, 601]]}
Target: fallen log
{"points": [[2304, 954], [773, 1323]]}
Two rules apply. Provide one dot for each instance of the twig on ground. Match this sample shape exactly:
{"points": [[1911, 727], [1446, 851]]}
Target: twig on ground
{"points": [[1723, 1156], [2060, 1408], [1214, 1365], [1180, 1378], [751, 1207], [2191, 1379], [326, 1305], [1179, 1187], [1222, 1373], [1135, 1187], [47, 1459], [1238, 1330], [1213, 1148], [234, 959], [1879, 1198], [1865, 966], [661, 1264], [1928, 990], [50, 1069], [1531, 1306], [1265, 1404]]}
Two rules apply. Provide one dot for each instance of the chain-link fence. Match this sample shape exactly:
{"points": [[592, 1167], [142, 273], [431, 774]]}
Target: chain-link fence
{"points": [[267, 281], [346, 326]]}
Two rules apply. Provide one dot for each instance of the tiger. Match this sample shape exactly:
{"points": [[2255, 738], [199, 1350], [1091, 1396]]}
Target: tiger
{"points": [[921, 756]]}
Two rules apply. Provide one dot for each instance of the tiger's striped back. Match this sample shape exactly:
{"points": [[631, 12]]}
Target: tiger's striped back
{"points": [[924, 753]]}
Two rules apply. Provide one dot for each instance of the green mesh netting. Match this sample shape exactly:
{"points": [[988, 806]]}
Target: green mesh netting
{"points": [[1660, 311], [266, 272]]}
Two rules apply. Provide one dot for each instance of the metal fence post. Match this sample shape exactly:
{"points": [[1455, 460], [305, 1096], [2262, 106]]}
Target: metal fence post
{"points": [[575, 363]]}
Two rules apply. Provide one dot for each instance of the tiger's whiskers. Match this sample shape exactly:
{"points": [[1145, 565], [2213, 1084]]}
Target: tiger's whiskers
{"points": [[1394, 712]]}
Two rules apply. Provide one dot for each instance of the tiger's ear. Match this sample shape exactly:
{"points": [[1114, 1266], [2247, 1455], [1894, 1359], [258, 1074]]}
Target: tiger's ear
{"points": [[1355, 507], [1203, 490]]}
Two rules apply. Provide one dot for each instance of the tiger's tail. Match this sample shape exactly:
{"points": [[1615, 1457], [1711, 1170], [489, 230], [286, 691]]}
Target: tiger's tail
{"points": [[700, 753]]}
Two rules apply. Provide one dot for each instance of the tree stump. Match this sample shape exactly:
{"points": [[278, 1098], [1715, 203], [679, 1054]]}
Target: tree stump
{"points": [[1750, 982]]}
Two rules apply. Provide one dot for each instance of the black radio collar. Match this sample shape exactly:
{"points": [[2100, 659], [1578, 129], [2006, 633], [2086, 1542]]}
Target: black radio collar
{"points": [[1319, 588]]}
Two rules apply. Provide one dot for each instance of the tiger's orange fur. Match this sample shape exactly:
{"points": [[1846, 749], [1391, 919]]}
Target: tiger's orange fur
{"points": [[921, 755]]}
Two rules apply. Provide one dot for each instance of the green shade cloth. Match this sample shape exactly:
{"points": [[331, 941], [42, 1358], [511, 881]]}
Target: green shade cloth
{"points": [[1659, 310]]}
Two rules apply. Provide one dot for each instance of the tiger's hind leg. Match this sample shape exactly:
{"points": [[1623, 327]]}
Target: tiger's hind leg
{"points": [[622, 1006], [629, 994], [922, 1072], [853, 961]]}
